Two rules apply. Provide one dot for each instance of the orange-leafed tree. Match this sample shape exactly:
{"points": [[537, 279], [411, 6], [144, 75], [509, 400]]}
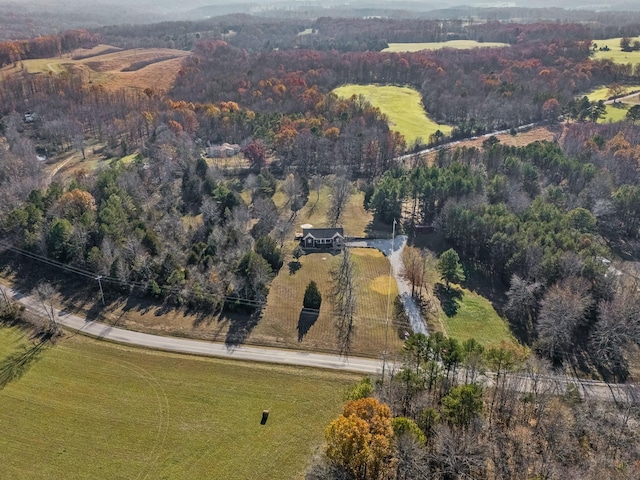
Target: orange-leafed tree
{"points": [[76, 203], [360, 440]]}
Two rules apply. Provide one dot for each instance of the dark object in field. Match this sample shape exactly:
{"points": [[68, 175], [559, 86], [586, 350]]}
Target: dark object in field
{"points": [[265, 416]]}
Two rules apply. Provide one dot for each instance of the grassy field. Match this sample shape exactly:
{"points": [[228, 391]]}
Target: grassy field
{"points": [[476, 318], [87, 409], [615, 54], [603, 93], [284, 323], [614, 113], [459, 44], [402, 105], [355, 219], [469, 315], [11, 339], [105, 67]]}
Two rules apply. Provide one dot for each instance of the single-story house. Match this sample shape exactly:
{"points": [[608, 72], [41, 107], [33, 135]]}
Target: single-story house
{"points": [[224, 150], [325, 238]]}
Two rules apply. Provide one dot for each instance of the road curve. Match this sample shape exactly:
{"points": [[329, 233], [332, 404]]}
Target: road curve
{"points": [[199, 347]]}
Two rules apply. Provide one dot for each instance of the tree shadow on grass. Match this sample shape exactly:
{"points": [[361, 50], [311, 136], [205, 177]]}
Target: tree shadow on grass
{"points": [[450, 298], [240, 326], [17, 364], [306, 320]]}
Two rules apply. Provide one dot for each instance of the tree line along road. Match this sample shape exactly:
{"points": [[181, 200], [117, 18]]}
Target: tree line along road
{"points": [[622, 393]]}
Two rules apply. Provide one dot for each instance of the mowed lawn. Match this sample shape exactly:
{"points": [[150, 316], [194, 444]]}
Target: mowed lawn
{"points": [[459, 44], [93, 410], [476, 318], [403, 107], [284, 323]]}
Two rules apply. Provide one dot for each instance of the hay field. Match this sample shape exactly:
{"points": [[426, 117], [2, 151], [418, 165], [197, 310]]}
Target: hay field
{"points": [[155, 68]]}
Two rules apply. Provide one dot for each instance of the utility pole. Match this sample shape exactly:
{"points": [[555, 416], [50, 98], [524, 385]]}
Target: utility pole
{"points": [[386, 323], [98, 278]]}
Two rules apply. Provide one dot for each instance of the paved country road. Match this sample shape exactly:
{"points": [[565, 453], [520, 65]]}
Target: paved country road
{"points": [[198, 347], [554, 384]]}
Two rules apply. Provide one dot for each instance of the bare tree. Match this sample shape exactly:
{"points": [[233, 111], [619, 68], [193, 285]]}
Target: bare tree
{"points": [[340, 192], [45, 293], [344, 301], [523, 301], [617, 328], [562, 309], [414, 268]]}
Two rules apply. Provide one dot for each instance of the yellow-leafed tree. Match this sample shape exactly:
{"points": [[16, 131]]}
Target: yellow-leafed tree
{"points": [[360, 440]]}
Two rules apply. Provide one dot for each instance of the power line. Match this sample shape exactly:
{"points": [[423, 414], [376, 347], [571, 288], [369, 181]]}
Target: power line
{"points": [[129, 283]]}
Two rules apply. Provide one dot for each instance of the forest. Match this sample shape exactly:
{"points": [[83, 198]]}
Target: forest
{"points": [[545, 220], [432, 419], [548, 230]]}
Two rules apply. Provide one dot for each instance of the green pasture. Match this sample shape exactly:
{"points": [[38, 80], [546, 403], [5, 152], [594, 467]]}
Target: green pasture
{"points": [[615, 54], [603, 93], [467, 314], [87, 409], [615, 113], [459, 44], [403, 107]]}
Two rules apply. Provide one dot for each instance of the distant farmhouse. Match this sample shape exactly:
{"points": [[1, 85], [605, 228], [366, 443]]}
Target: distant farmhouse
{"points": [[223, 151], [321, 238]]}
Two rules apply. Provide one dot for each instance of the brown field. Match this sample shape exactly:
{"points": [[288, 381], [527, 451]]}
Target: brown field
{"points": [[106, 69], [283, 322]]}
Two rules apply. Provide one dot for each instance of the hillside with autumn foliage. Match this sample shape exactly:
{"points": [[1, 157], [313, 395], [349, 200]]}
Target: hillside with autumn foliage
{"points": [[173, 225]]}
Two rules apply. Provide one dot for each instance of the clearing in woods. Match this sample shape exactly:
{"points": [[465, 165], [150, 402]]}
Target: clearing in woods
{"points": [[145, 414], [457, 44], [402, 106], [112, 68]]}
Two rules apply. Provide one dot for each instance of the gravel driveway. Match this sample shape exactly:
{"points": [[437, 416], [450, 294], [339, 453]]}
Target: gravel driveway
{"points": [[404, 287]]}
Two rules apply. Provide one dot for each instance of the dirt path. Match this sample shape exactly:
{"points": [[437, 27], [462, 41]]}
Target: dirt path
{"points": [[58, 167]]}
